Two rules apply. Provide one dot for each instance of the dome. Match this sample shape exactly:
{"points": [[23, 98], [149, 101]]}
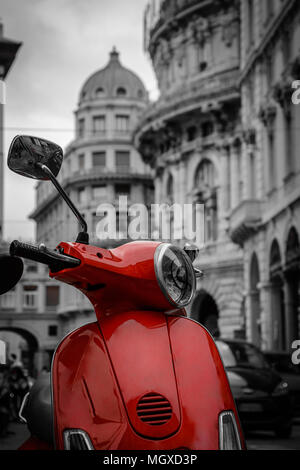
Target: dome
{"points": [[113, 81]]}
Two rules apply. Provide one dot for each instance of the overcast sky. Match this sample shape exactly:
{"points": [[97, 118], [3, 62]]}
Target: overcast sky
{"points": [[64, 41]]}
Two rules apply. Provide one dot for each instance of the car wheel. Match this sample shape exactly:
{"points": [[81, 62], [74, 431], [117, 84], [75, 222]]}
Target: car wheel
{"points": [[284, 431]]}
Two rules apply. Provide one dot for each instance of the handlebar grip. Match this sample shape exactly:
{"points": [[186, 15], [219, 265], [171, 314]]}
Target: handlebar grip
{"points": [[56, 261], [25, 250]]}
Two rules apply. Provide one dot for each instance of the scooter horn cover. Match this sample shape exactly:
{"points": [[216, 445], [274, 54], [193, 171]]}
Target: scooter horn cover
{"points": [[11, 270]]}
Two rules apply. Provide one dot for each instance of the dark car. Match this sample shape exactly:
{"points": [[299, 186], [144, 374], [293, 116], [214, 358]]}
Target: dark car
{"points": [[282, 364], [262, 396]]}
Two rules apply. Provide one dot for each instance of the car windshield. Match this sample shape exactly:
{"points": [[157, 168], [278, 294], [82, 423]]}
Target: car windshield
{"points": [[241, 355], [284, 364]]}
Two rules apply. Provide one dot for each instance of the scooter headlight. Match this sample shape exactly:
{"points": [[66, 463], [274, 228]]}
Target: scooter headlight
{"points": [[175, 274]]}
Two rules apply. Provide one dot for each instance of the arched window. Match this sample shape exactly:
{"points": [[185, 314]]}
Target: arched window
{"points": [[292, 247], [205, 174], [121, 91], [170, 188], [275, 258], [255, 301], [99, 92], [206, 194]]}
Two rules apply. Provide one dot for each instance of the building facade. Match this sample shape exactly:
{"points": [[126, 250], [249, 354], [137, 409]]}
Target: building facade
{"points": [[226, 132], [8, 51], [192, 138], [100, 165], [266, 224]]}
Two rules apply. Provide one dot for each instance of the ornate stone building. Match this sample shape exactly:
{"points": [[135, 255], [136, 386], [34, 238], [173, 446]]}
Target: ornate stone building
{"points": [[225, 132], [8, 51], [192, 137], [267, 222]]}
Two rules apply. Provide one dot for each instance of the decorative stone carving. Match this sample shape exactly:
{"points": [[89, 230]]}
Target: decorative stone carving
{"points": [[249, 136], [267, 115], [282, 93]]}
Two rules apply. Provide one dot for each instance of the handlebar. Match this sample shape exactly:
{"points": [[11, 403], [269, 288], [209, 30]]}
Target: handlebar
{"points": [[55, 260]]}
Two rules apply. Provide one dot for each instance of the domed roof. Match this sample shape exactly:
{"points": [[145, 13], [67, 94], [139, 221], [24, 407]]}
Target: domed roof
{"points": [[113, 81]]}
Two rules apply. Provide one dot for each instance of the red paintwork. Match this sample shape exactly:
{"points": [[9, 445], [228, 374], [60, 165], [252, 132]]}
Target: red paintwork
{"points": [[101, 370], [127, 274]]}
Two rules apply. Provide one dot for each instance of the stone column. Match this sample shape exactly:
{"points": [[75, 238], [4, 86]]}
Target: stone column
{"points": [[253, 317], [267, 315], [291, 289], [234, 174], [223, 190]]}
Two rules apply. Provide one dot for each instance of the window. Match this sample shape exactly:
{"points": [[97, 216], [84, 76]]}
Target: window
{"points": [[206, 188], [99, 193], [81, 127], [191, 133], [207, 128], [32, 268], [121, 91], [122, 189], [253, 176], [81, 162], [99, 159], [98, 124], [8, 300], [123, 161], [122, 123], [52, 296], [205, 175], [52, 330], [99, 92], [30, 296], [272, 160]]}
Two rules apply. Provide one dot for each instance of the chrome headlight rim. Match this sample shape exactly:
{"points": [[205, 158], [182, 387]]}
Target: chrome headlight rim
{"points": [[158, 267]]}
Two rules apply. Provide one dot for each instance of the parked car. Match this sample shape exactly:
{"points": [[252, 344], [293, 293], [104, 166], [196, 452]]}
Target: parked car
{"points": [[282, 364], [261, 395]]}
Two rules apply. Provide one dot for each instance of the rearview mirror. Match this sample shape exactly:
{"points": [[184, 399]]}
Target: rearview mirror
{"points": [[27, 154], [11, 269]]}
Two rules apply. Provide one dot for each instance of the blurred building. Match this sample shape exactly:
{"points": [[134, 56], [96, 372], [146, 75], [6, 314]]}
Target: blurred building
{"points": [[192, 138], [8, 51], [100, 165], [224, 132], [266, 223], [29, 323]]}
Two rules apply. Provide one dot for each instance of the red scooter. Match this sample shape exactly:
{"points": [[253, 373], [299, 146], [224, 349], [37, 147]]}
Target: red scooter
{"points": [[143, 376]]}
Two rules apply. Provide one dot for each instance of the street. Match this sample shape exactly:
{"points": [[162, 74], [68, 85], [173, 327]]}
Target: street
{"points": [[255, 441]]}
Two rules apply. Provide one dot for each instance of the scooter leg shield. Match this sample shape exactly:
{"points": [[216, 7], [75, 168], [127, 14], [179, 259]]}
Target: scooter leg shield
{"points": [[140, 380]]}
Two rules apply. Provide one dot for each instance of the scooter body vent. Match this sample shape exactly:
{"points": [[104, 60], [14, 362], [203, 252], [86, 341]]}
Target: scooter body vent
{"points": [[154, 409]]}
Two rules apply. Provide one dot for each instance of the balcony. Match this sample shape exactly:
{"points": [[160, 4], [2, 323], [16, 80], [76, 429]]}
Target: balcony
{"points": [[245, 220]]}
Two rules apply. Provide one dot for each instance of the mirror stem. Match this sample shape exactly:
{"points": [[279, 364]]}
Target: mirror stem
{"points": [[83, 237]]}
